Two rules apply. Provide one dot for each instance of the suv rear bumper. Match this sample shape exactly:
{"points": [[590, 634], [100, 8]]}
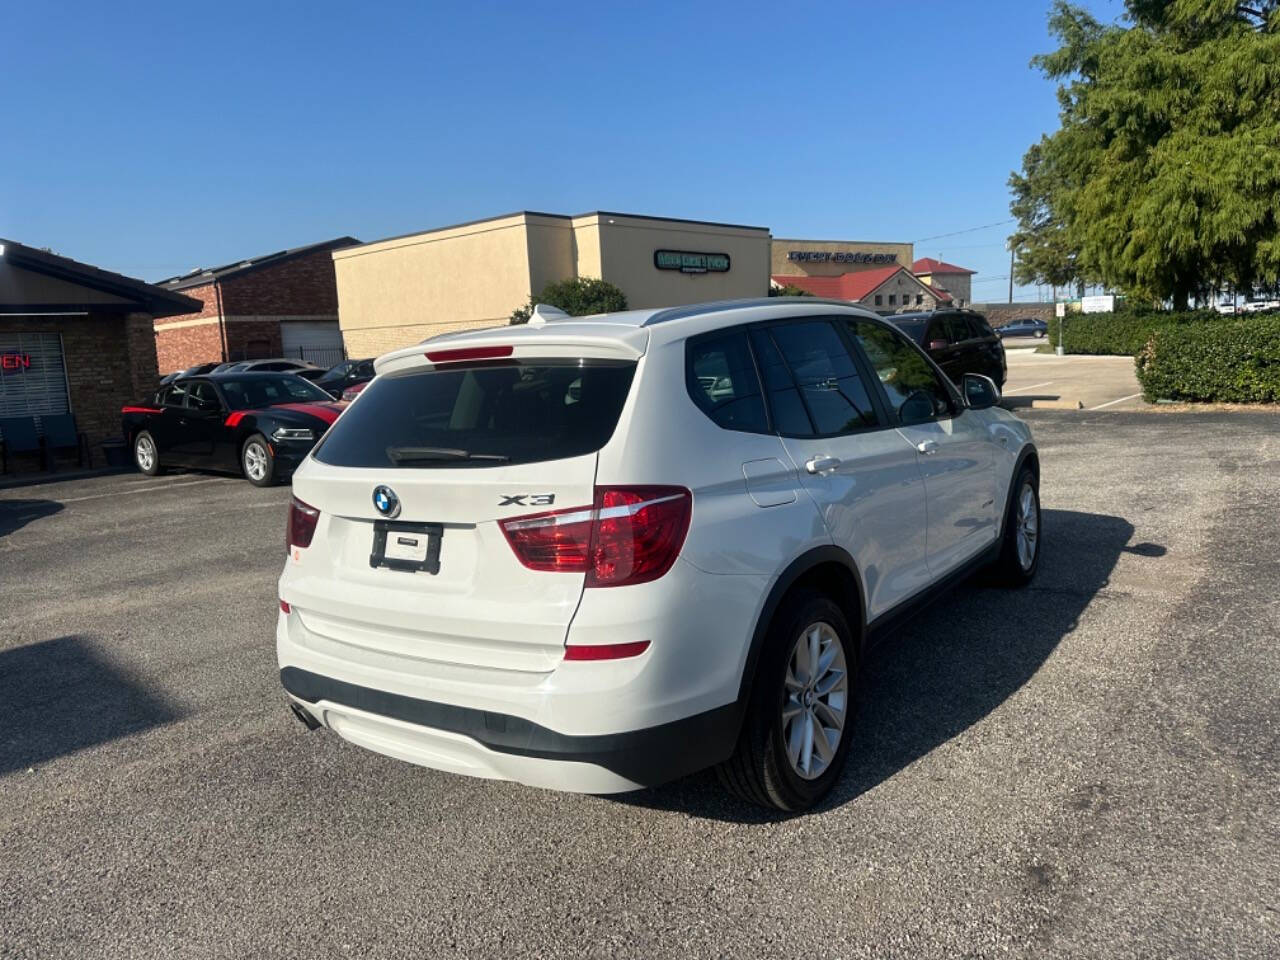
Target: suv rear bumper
{"points": [[487, 744]]}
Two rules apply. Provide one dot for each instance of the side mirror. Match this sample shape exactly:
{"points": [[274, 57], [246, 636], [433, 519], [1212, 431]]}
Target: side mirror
{"points": [[937, 344], [980, 393]]}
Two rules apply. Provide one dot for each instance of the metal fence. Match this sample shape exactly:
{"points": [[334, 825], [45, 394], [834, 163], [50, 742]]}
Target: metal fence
{"points": [[320, 356]]}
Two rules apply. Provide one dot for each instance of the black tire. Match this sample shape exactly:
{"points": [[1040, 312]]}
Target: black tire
{"points": [[1010, 569], [760, 771], [146, 455], [257, 462]]}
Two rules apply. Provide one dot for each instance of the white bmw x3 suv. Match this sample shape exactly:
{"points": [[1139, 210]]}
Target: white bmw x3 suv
{"points": [[600, 553]]}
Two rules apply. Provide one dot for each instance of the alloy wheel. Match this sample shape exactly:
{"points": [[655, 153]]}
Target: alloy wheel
{"points": [[1028, 527], [145, 453], [255, 461], [817, 700]]}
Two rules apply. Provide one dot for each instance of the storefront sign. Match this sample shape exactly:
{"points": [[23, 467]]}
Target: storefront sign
{"points": [[838, 256], [15, 361], [687, 262]]}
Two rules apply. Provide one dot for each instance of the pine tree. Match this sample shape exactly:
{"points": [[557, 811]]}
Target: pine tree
{"points": [[1164, 179]]}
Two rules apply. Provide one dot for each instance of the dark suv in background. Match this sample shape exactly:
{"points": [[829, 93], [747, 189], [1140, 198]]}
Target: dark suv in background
{"points": [[961, 342]]}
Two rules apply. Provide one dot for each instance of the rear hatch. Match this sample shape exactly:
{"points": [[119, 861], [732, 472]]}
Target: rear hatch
{"points": [[408, 567]]}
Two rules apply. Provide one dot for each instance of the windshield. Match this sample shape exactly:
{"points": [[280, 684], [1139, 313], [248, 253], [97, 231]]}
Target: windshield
{"points": [[509, 412], [252, 393]]}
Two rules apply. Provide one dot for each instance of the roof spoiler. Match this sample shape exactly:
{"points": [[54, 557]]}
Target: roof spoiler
{"points": [[543, 312]]}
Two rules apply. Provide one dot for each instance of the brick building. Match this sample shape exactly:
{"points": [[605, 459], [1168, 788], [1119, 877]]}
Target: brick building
{"points": [[76, 339], [281, 304], [956, 281]]}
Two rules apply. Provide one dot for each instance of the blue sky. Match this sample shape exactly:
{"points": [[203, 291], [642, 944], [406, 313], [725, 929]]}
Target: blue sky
{"points": [[152, 138]]}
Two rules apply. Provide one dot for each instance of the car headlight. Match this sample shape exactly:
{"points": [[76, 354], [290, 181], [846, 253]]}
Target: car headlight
{"points": [[293, 433]]}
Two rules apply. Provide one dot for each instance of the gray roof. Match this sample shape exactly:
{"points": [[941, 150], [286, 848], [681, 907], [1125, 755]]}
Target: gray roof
{"points": [[203, 275]]}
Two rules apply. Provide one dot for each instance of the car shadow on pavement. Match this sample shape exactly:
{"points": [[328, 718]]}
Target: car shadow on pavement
{"points": [[16, 514], [950, 667], [59, 696]]}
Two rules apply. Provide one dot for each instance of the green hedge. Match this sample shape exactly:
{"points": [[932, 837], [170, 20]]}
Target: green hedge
{"points": [[1123, 333], [1233, 361]]}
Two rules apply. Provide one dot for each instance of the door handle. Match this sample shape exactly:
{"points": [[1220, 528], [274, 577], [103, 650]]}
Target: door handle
{"points": [[927, 447], [822, 464]]}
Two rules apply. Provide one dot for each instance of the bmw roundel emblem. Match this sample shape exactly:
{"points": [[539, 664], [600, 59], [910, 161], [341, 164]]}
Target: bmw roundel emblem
{"points": [[385, 501]]}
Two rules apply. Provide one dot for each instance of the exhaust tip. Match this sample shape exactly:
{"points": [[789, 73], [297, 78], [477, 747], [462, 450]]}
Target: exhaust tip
{"points": [[306, 719]]}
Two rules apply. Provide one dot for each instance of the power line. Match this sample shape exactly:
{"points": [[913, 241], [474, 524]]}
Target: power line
{"points": [[986, 226]]}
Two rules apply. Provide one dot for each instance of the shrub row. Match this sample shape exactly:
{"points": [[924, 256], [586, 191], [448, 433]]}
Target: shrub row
{"points": [[1229, 361], [1123, 333]]}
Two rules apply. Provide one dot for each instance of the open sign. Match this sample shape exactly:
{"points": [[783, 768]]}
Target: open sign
{"points": [[15, 361]]}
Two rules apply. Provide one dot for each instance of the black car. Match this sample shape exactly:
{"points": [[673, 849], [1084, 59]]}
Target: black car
{"points": [[346, 374], [960, 341], [197, 370], [300, 368], [257, 424], [1024, 327]]}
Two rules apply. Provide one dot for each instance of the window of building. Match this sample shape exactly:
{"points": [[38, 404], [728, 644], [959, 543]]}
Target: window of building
{"points": [[879, 300], [33, 379], [893, 299], [919, 299]]}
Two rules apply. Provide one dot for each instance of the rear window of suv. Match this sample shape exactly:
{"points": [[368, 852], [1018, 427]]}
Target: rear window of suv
{"points": [[481, 415]]}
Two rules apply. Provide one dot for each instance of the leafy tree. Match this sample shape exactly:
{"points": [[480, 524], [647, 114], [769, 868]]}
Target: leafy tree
{"points": [[1164, 179], [577, 296], [789, 290]]}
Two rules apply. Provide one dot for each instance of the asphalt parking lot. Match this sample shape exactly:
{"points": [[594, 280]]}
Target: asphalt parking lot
{"points": [[1089, 767]]}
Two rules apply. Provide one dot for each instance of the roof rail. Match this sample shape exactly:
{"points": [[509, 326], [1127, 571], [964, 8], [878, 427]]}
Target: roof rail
{"points": [[698, 309]]}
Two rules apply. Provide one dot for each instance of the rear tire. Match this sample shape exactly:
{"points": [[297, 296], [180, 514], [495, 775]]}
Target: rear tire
{"points": [[146, 455], [795, 737], [1020, 549], [257, 462]]}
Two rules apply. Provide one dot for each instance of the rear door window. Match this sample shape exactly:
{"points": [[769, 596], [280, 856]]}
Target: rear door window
{"points": [[980, 327], [827, 378], [482, 415], [722, 381], [790, 418], [957, 329], [202, 396]]}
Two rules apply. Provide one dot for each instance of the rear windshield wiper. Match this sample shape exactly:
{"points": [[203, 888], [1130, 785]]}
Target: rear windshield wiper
{"points": [[433, 454]]}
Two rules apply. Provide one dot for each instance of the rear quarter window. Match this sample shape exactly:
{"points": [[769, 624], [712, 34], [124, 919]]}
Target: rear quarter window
{"points": [[722, 381], [481, 415]]}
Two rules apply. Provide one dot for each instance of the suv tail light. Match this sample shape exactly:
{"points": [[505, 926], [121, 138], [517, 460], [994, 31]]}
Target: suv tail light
{"points": [[629, 535], [302, 524]]}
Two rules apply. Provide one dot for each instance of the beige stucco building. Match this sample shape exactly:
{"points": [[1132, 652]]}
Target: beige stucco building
{"points": [[834, 258], [396, 292]]}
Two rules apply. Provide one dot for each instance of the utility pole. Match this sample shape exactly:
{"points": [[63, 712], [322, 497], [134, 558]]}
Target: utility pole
{"points": [[1011, 273]]}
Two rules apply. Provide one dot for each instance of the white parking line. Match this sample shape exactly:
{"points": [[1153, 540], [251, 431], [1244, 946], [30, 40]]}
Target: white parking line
{"points": [[1112, 403], [1032, 387], [157, 486]]}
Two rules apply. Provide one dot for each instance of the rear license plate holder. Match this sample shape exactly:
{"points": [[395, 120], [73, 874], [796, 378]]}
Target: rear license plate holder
{"points": [[410, 547]]}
